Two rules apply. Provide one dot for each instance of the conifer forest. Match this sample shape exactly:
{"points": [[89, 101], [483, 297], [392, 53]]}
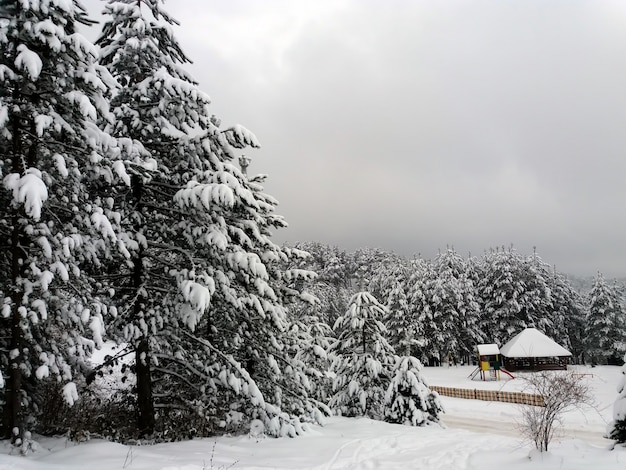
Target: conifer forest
{"points": [[128, 217]]}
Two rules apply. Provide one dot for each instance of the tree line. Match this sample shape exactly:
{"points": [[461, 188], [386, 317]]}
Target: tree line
{"points": [[439, 309]]}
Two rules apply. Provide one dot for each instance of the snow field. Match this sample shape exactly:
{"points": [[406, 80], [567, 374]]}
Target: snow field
{"points": [[479, 436], [602, 380]]}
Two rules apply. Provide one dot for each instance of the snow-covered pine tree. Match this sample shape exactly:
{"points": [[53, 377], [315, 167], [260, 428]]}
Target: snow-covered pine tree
{"points": [[514, 295], [617, 428], [452, 329], [408, 399], [329, 262], [248, 318], [157, 104], [362, 359], [313, 338], [605, 334], [387, 270], [568, 315], [332, 285], [421, 313], [401, 323], [206, 288], [364, 263], [54, 227], [537, 299], [472, 333]]}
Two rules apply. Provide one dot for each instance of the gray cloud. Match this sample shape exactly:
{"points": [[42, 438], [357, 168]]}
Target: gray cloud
{"points": [[410, 125]]}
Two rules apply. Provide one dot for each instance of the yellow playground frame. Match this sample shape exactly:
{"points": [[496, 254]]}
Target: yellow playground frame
{"points": [[489, 364]]}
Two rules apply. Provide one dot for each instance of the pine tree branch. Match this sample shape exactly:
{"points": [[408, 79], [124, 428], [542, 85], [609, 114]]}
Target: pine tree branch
{"points": [[162, 184], [186, 365], [48, 143], [170, 248], [172, 210], [176, 374], [228, 358], [158, 289]]}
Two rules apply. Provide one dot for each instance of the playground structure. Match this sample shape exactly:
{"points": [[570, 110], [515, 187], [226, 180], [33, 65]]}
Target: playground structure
{"points": [[489, 365]]}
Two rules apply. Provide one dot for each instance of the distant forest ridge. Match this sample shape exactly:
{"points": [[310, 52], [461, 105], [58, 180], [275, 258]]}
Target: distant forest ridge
{"points": [[582, 284]]}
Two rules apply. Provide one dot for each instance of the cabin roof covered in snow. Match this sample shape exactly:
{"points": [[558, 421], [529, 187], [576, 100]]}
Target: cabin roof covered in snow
{"points": [[488, 349], [533, 343]]}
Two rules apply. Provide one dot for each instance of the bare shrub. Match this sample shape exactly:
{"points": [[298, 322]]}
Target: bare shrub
{"points": [[560, 391], [91, 416]]}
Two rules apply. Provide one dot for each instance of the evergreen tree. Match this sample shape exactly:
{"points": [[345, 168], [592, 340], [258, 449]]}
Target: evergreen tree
{"points": [[538, 298], [332, 284], [568, 315], [453, 328], [157, 105], [362, 359], [206, 288], [605, 333], [364, 263], [421, 313], [514, 295], [389, 269], [313, 340], [472, 331], [329, 262], [617, 429], [400, 324], [408, 399], [245, 335], [55, 164]]}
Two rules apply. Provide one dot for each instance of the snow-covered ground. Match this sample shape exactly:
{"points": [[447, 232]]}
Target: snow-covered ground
{"points": [[588, 424], [479, 435]]}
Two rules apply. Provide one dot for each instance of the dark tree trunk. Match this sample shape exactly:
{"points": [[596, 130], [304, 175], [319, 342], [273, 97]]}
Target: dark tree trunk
{"points": [[13, 423], [145, 401], [145, 404]]}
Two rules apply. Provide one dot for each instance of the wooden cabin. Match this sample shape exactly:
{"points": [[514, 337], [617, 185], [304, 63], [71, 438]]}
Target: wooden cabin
{"points": [[532, 350]]}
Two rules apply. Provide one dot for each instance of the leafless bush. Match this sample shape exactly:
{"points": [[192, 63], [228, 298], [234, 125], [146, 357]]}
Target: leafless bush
{"points": [[560, 391]]}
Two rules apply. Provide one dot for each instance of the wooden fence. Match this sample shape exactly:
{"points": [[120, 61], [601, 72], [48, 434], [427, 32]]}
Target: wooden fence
{"points": [[490, 395]]}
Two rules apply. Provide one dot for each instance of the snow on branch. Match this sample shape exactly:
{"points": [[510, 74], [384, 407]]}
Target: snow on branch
{"points": [[247, 383], [198, 195], [120, 169], [4, 116], [249, 262], [49, 33], [197, 298], [240, 137], [44, 5], [29, 190], [6, 73], [29, 61], [103, 224], [176, 86], [70, 394], [59, 162], [42, 122], [82, 44], [86, 108], [300, 274]]}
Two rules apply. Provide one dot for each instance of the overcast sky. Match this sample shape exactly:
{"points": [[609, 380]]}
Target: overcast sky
{"points": [[414, 125]]}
